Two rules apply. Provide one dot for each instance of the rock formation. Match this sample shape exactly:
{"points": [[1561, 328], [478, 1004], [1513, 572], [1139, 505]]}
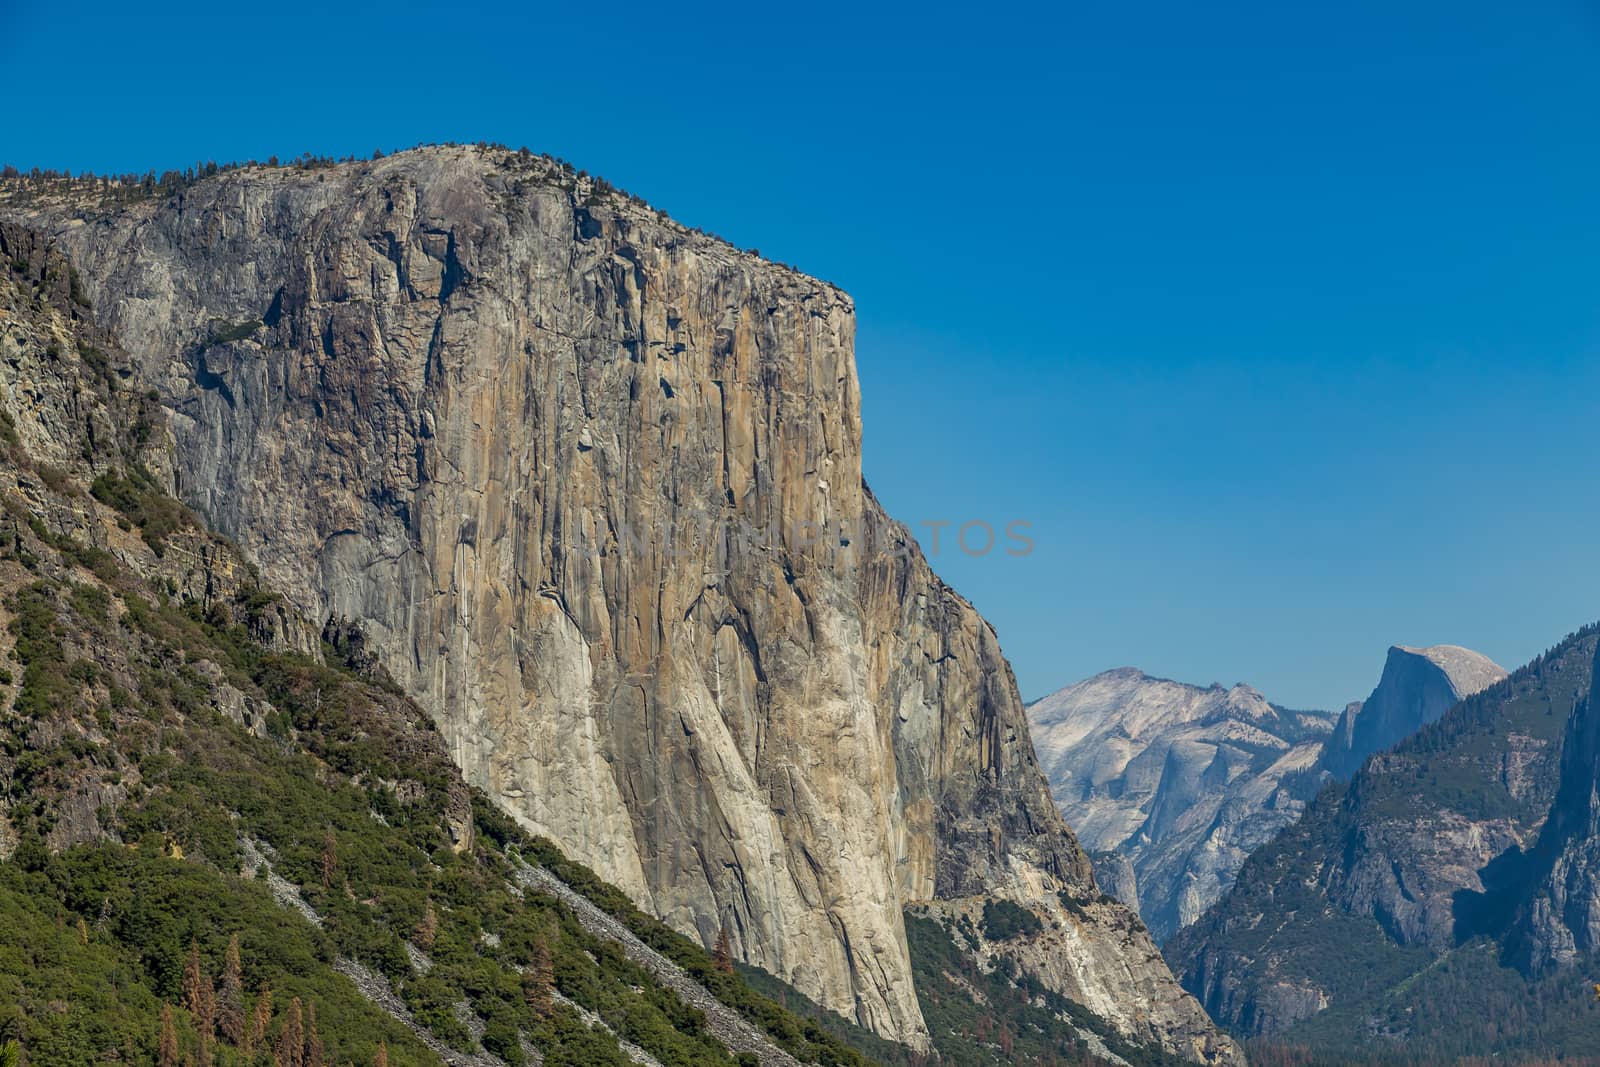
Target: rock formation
{"points": [[1418, 686], [1181, 782], [591, 484], [1559, 922], [1348, 928], [175, 737]]}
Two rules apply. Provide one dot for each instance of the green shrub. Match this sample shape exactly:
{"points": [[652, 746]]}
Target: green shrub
{"points": [[1004, 920]]}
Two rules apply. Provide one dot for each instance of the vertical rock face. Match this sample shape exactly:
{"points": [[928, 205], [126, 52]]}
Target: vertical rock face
{"points": [[1180, 781], [591, 484], [1559, 923], [1343, 914], [1418, 686]]}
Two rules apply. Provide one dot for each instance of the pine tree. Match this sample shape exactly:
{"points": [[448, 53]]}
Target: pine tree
{"points": [[194, 981], [722, 954], [230, 996], [330, 861], [262, 1017], [427, 929], [538, 979], [381, 1058], [313, 1056], [292, 1039], [167, 1055], [200, 999]]}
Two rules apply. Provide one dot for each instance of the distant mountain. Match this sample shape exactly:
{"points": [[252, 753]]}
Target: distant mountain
{"points": [[1170, 786], [1418, 686], [1443, 902]]}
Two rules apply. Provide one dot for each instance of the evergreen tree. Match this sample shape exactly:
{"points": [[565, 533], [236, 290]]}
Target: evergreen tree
{"points": [[314, 1054], [330, 861], [538, 980], [381, 1058], [194, 981], [292, 1039], [262, 1017], [427, 929], [722, 954], [230, 996], [167, 1054], [200, 1000]]}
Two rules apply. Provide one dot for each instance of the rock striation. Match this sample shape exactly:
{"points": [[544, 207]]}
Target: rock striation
{"points": [[1171, 786], [1418, 686], [173, 734], [591, 485]]}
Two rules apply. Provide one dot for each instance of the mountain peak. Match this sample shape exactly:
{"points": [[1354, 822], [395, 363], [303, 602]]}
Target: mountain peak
{"points": [[1157, 773], [1417, 686], [1469, 672]]}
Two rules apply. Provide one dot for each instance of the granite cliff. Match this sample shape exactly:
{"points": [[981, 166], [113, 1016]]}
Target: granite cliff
{"points": [[1170, 785], [1418, 685], [1557, 922], [194, 781], [591, 485]]}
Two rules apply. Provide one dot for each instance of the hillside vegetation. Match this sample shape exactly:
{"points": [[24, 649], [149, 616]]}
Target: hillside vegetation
{"points": [[226, 837], [1379, 926]]}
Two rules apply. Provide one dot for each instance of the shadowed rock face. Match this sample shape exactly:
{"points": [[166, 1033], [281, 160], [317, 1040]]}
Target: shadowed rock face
{"points": [[1423, 850], [1180, 782], [1418, 686], [1559, 923], [591, 484]]}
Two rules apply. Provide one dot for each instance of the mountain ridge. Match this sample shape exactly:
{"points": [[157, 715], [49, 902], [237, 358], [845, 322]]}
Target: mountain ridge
{"points": [[1180, 781], [1171, 785], [1385, 918]]}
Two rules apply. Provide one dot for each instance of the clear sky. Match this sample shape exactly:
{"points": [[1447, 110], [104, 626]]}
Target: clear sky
{"points": [[1279, 322]]}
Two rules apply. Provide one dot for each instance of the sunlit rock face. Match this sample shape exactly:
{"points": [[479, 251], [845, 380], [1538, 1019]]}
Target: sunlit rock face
{"points": [[591, 484], [1171, 786], [1418, 686]]}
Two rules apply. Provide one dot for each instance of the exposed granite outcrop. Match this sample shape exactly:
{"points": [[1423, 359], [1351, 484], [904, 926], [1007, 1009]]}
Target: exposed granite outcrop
{"points": [[1424, 850], [1418, 686], [1183, 782], [1558, 924], [591, 485]]}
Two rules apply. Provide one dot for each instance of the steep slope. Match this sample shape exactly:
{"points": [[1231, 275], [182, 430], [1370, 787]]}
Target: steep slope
{"points": [[1558, 898], [1418, 686], [186, 781], [1383, 918], [1180, 782], [591, 484]]}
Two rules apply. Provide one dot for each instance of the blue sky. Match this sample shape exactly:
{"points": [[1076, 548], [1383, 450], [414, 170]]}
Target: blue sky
{"points": [[1280, 325]]}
